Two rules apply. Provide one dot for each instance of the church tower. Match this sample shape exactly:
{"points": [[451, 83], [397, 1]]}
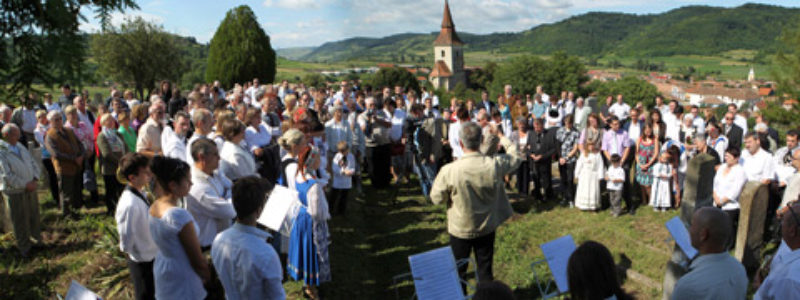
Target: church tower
{"points": [[448, 53]]}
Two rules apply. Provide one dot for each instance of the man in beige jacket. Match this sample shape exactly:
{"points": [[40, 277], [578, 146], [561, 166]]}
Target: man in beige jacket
{"points": [[473, 190], [19, 174]]}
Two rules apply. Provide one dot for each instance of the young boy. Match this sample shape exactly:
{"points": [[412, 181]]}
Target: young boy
{"points": [[133, 225], [344, 166], [615, 178]]}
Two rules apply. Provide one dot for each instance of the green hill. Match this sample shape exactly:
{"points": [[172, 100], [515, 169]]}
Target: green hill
{"points": [[690, 30]]}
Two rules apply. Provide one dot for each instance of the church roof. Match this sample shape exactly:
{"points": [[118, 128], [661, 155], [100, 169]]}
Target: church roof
{"points": [[447, 36], [440, 69]]}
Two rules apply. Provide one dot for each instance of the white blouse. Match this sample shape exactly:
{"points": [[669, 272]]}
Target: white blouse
{"points": [[730, 185], [236, 162], [257, 138]]}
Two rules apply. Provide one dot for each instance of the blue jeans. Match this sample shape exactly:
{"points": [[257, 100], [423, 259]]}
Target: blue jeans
{"points": [[427, 173]]}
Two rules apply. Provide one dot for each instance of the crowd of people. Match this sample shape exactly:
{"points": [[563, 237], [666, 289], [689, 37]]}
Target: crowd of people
{"points": [[187, 177]]}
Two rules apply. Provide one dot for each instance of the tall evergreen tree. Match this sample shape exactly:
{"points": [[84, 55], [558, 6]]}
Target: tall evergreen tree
{"points": [[240, 50]]}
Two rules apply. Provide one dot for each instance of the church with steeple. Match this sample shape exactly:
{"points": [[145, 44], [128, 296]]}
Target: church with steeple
{"points": [[448, 69]]}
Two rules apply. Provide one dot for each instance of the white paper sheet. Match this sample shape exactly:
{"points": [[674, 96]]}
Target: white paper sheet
{"points": [[78, 292], [278, 204]]}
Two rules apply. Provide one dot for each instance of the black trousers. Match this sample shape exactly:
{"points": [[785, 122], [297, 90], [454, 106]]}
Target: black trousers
{"points": [[484, 254], [381, 165], [52, 179], [142, 277], [542, 178], [338, 201], [567, 173], [524, 178], [113, 191]]}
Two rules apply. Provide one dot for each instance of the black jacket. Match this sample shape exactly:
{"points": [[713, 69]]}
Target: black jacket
{"points": [[734, 136], [548, 145]]}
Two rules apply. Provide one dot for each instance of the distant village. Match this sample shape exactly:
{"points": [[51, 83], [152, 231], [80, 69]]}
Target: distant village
{"points": [[449, 69]]}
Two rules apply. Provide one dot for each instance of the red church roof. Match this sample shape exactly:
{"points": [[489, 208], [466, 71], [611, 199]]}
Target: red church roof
{"points": [[440, 69], [447, 36]]}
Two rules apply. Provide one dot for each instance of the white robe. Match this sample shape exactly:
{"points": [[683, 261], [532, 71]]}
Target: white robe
{"points": [[588, 172], [661, 194]]}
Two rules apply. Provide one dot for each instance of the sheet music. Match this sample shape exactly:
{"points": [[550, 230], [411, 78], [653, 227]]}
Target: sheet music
{"points": [[557, 253], [435, 275], [278, 204], [78, 292], [681, 237]]}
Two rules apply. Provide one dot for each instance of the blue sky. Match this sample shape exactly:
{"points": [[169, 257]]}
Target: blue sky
{"points": [[293, 23]]}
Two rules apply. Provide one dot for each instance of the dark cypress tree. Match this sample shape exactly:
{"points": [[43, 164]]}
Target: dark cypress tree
{"points": [[240, 50]]}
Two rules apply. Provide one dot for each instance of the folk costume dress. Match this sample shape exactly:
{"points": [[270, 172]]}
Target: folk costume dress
{"points": [[588, 172], [308, 243]]}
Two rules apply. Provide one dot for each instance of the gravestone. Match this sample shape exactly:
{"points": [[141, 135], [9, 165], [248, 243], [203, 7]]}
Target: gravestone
{"points": [[753, 203], [698, 191]]}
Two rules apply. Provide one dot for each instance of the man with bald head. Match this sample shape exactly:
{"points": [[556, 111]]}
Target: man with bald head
{"points": [[713, 274], [783, 281]]}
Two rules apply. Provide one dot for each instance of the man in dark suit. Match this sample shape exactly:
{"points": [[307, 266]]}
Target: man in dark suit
{"points": [[733, 132], [485, 102], [542, 144]]}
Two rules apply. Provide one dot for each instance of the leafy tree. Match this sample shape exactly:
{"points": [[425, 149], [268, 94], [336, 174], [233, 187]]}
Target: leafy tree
{"points": [[314, 80], [240, 50], [395, 76], [780, 118], [482, 78], [786, 67], [40, 37], [138, 52], [632, 89], [559, 73]]}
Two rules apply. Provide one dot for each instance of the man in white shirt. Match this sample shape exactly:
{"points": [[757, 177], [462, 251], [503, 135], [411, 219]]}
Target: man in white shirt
{"points": [[634, 126], [19, 177], [209, 197], [673, 130], [132, 217], [25, 118], [783, 281], [269, 115], [783, 158], [540, 91], [203, 122], [738, 119], [250, 93], [757, 162], [698, 121], [248, 267], [173, 140], [337, 130], [713, 274], [454, 131], [148, 141], [661, 106], [620, 109]]}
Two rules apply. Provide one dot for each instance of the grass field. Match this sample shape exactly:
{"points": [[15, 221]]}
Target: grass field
{"points": [[729, 64], [370, 246]]}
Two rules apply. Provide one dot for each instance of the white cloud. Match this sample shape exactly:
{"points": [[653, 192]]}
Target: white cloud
{"points": [[118, 18], [293, 4]]}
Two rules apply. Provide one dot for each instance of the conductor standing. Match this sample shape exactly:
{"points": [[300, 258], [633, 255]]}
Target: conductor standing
{"points": [[473, 190]]}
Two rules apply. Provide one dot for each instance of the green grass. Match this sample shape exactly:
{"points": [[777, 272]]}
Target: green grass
{"points": [[727, 63], [370, 245]]}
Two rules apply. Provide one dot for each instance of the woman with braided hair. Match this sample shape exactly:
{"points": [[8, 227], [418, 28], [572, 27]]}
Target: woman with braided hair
{"points": [[309, 238]]}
